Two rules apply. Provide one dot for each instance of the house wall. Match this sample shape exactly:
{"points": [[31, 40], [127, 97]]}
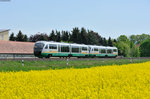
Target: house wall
{"points": [[4, 36]]}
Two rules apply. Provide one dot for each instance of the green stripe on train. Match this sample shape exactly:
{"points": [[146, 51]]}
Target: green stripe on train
{"points": [[54, 54], [76, 55], [102, 55]]}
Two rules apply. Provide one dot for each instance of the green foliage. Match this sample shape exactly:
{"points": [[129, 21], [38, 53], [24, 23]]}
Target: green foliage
{"points": [[126, 47], [123, 49], [12, 37], [38, 37], [19, 36], [58, 36], [75, 37], [145, 48], [92, 38], [134, 51], [123, 38], [25, 38], [52, 36], [110, 42], [138, 39], [65, 36], [84, 36]]}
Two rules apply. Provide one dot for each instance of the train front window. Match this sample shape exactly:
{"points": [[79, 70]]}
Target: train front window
{"points": [[52, 46], [75, 49], [39, 45]]}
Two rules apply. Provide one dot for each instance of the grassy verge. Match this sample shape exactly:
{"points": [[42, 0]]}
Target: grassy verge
{"points": [[45, 65]]}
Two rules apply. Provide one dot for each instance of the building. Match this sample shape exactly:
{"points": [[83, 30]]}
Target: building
{"points": [[14, 49], [4, 34]]}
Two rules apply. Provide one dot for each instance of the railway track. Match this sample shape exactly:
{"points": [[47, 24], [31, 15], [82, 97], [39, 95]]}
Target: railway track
{"points": [[55, 59]]}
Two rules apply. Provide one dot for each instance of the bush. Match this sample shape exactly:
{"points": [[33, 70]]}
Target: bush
{"points": [[145, 48]]}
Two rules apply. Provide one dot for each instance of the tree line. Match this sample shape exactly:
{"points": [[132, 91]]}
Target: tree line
{"points": [[79, 36], [132, 46]]}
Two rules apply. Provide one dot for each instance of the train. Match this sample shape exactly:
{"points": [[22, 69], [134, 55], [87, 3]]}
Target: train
{"points": [[47, 49]]}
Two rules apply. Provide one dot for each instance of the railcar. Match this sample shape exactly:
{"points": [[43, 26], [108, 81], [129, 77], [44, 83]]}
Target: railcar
{"points": [[56, 49], [102, 51]]}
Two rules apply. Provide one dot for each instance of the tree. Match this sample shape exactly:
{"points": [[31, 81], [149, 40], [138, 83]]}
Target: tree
{"points": [[123, 38], [133, 39], [52, 36], [75, 37], [58, 36], [92, 39], [25, 38], [12, 37], [138, 39], [144, 48], [134, 50], [114, 42], [84, 36], [38, 37], [123, 49], [19, 36], [65, 35], [104, 42], [110, 42]]}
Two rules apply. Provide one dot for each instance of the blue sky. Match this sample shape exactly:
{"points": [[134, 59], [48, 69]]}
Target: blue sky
{"points": [[107, 17]]}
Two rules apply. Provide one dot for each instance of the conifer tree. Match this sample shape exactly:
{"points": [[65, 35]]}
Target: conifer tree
{"points": [[84, 36], [110, 42], [58, 36], [12, 37], [52, 36], [19, 36], [25, 38], [75, 35], [105, 42]]}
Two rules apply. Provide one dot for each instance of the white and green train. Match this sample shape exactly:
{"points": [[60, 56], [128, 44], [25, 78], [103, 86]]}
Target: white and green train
{"points": [[57, 49]]}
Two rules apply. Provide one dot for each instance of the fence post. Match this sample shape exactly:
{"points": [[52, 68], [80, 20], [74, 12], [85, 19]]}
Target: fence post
{"points": [[22, 62], [67, 62]]}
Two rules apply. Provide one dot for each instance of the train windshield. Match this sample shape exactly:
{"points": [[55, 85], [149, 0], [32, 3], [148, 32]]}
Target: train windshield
{"points": [[39, 45]]}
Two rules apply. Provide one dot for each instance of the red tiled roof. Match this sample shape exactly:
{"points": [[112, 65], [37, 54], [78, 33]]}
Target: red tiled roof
{"points": [[16, 47]]}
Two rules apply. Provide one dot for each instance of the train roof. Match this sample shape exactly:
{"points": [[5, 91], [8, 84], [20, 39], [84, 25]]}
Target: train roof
{"points": [[108, 47], [47, 42], [79, 45], [52, 42]]}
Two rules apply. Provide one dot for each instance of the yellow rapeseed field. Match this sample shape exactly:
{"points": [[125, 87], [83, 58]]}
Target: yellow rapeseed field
{"points": [[118, 82]]}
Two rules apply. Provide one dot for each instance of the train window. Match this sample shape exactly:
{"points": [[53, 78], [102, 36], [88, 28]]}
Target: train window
{"points": [[39, 45], [115, 50], [103, 51], [46, 47], [75, 49], [64, 48], [52, 46], [99, 50], [84, 48], [109, 51], [95, 49]]}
